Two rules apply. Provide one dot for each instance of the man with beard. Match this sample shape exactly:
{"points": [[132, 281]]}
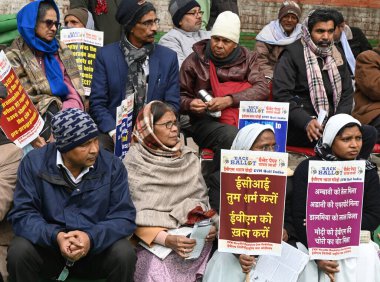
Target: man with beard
{"points": [[133, 66], [187, 20], [276, 35], [312, 75]]}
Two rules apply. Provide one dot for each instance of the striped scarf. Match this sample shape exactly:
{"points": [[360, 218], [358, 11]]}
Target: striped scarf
{"points": [[144, 134], [136, 82], [314, 75]]}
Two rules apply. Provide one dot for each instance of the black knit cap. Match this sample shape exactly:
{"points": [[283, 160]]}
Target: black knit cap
{"points": [[178, 8], [131, 11], [71, 128]]}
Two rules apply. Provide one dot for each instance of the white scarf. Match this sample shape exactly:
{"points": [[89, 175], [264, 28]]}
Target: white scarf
{"points": [[274, 34], [248, 135]]}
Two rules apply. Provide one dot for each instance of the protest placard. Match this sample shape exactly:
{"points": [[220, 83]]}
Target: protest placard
{"points": [[124, 118], [84, 44], [252, 201], [334, 208], [20, 120], [273, 113]]}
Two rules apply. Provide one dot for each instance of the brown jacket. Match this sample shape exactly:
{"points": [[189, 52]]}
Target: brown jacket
{"points": [[367, 80], [195, 75], [268, 56]]}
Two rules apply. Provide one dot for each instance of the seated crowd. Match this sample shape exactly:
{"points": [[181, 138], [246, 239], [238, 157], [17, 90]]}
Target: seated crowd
{"points": [[77, 210]]}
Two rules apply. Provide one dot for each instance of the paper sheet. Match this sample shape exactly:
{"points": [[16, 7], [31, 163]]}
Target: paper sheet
{"points": [[161, 251], [285, 268]]}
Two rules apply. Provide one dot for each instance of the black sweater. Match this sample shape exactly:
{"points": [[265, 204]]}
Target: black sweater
{"points": [[290, 85]]}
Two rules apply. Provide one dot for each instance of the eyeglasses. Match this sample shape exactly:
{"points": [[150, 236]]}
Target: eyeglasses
{"points": [[169, 124], [50, 23], [195, 13], [150, 23], [267, 148]]}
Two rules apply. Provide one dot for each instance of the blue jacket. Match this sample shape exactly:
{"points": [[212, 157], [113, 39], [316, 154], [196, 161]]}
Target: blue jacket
{"points": [[110, 77], [101, 205]]}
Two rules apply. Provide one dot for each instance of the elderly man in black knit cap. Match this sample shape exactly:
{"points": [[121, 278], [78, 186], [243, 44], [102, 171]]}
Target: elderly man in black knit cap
{"points": [[187, 20], [134, 66], [72, 211]]}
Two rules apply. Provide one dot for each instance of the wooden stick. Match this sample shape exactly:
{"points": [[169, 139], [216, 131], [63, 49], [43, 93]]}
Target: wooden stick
{"points": [[247, 277]]}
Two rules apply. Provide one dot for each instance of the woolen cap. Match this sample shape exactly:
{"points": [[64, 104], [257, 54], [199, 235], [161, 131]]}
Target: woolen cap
{"points": [[227, 25], [334, 124], [71, 128], [178, 8], [80, 13], [131, 11], [289, 7]]}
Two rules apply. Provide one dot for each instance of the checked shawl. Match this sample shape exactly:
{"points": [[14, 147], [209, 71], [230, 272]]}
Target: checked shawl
{"points": [[314, 76]]}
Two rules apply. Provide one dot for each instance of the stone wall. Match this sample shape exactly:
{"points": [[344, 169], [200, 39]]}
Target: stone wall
{"points": [[255, 14]]}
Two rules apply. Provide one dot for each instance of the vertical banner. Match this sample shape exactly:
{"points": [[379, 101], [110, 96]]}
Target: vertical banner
{"points": [[124, 117], [20, 120], [84, 43], [252, 202], [334, 208], [273, 113]]}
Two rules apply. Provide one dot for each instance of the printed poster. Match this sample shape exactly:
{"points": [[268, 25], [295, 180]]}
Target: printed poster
{"points": [[124, 118], [334, 208], [252, 202], [84, 43], [20, 120], [273, 113]]}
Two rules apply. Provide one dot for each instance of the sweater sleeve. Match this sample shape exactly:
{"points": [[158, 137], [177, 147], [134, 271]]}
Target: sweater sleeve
{"points": [[284, 84], [26, 216], [367, 74], [371, 201], [148, 234], [299, 200], [121, 216], [260, 88]]}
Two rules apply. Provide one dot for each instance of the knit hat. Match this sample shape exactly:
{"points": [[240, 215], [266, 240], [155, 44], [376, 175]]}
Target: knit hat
{"points": [[289, 7], [178, 8], [248, 135], [80, 13], [131, 11], [227, 25], [334, 124], [71, 128]]}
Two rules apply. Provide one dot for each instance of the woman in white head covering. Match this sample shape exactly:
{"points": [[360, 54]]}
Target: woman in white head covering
{"points": [[341, 140], [254, 137], [247, 136]]}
